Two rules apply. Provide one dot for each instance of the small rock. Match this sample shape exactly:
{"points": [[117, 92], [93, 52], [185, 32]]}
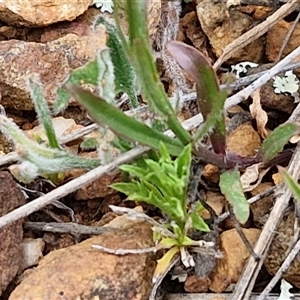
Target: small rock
{"points": [[223, 26], [235, 253], [99, 188], [243, 141], [196, 285], [211, 173], [277, 34], [40, 13], [281, 102], [32, 252], [83, 273], [11, 197]]}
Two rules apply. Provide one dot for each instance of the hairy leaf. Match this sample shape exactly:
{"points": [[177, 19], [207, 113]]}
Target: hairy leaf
{"points": [[231, 187], [275, 142], [85, 74], [122, 125], [42, 109], [125, 78]]}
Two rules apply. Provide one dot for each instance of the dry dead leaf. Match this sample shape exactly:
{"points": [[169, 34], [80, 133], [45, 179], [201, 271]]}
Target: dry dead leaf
{"points": [[277, 178], [259, 114], [252, 177], [216, 201], [295, 139]]}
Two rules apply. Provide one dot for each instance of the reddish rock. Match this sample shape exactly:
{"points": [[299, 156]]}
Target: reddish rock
{"points": [[223, 26], [40, 13], [11, 197], [235, 255], [53, 62], [81, 272]]}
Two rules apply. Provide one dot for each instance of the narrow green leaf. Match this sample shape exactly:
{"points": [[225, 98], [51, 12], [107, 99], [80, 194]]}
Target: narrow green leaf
{"points": [[291, 183], [42, 109], [231, 187], [183, 162], [122, 125], [125, 78], [143, 63], [135, 171], [275, 142]]}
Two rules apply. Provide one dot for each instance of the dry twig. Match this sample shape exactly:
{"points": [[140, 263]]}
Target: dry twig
{"points": [[287, 37], [71, 228], [246, 282], [256, 32]]}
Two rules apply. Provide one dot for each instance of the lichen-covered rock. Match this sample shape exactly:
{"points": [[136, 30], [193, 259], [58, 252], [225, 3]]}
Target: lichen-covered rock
{"points": [[40, 13], [83, 273], [53, 62], [11, 197]]}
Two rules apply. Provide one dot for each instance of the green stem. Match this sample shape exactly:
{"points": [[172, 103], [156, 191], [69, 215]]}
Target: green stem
{"points": [[142, 60]]}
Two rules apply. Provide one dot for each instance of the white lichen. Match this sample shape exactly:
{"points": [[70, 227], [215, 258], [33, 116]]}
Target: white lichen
{"points": [[288, 83], [104, 5]]}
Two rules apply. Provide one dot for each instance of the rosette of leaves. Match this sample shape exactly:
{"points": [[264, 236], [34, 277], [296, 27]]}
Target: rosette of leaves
{"points": [[164, 184]]}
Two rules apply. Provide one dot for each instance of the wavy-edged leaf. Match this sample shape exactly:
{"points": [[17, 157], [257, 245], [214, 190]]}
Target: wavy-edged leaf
{"points": [[146, 192], [231, 187], [122, 125], [275, 142]]}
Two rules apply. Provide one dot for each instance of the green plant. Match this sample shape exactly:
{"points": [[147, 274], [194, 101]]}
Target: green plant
{"points": [[210, 98], [129, 63], [35, 159], [210, 101], [164, 184]]}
